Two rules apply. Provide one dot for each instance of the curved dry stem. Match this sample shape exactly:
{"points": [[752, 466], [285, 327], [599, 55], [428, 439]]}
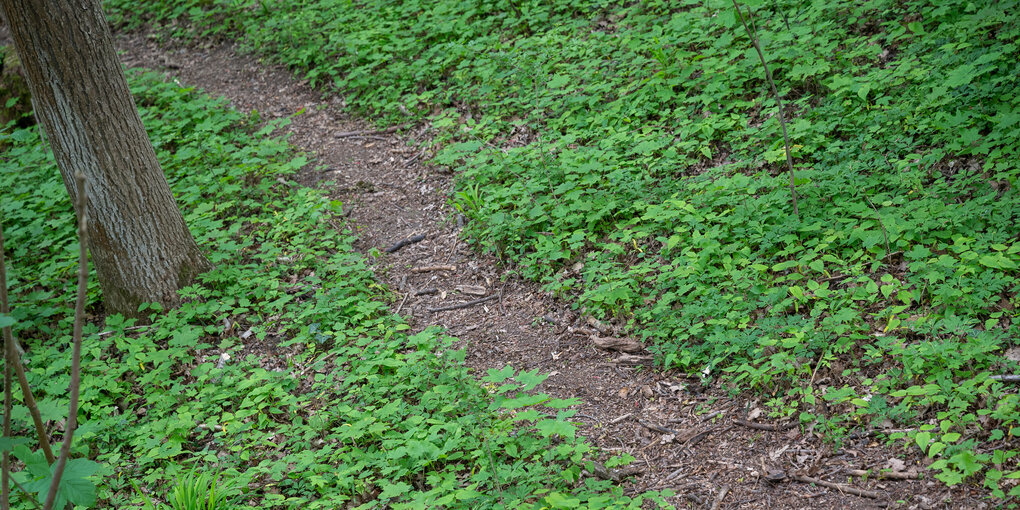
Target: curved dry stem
{"points": [[775, 94], [79, 321]]}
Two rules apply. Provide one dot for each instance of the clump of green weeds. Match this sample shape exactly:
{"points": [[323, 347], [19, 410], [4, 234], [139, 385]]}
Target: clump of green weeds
{"points": [[282, 369], [626, 155]]}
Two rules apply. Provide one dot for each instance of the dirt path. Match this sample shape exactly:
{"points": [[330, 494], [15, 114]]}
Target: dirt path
{"points": [[683, 438]]}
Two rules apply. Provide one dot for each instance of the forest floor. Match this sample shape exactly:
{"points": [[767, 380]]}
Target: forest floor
{"points": [[714, 450]]}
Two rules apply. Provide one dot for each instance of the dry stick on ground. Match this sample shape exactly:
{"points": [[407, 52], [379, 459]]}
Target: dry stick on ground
{"points": [[775, 94], [1010, 378], [14, 360], [5, 464], [718, 499], [842, 487], [777, 427], [463, 305], [79, 320], [620, 418], [402, 301], [657, 428], [405, 242], [429, 269], [887, 475]]}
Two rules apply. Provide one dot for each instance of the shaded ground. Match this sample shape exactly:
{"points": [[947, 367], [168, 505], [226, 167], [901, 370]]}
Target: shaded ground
{"points": [[682, 435]]}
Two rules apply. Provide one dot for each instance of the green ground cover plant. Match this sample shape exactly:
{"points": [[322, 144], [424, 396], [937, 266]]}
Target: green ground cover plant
{"points": [[628, 155], [282, 372]]}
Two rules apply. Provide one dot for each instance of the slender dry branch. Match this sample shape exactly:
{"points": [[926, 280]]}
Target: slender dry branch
{"points": [[5, 464], [14, 361], [79, 321], [753, 35], [1006, 378], [772, 427], [463, 305], [841, 487]]}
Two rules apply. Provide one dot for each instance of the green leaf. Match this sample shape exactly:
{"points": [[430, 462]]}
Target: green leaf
{"points": [[530, 379], [498, 376], [551, 426], [6, 320], [960, 76], [922, 439], [563, 403], [8, 443], [392, 490], [557, 500], [967, 461]]}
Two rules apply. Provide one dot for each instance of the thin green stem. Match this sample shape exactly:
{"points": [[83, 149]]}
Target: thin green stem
{"points": [[775, 94]]}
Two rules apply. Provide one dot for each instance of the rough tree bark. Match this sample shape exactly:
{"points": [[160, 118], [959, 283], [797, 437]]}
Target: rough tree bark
{"points": [[141, 248]]}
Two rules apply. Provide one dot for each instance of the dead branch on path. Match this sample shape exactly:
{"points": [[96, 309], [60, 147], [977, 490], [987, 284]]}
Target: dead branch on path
{"points": [[463, 305], [429, 269], [842, 487], [771, 427], [885, 474], [405, 242], [657, 428]]}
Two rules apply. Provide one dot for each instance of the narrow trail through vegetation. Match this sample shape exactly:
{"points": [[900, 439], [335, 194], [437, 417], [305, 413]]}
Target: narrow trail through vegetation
{"points": [[682, 436]]}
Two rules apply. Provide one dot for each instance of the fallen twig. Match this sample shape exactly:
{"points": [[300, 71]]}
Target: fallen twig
{"points": [[429, 269], [753, 35], [719, 497], [617, 343], [699, 437], [874, 432], [711, 415], [842, 487], [368, 132], [404, 242], [79, 321], [1010, 378], [621, 418], [887, 475], [632, 359], [463, 305], [402, 301], [772, 427], [428, 291], [657, 428], [415, 158]]}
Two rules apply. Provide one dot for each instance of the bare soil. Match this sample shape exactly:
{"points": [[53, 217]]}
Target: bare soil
{"points": [[685, 436]]}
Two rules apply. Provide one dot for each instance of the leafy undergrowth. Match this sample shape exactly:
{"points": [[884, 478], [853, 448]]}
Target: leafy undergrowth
{"points": [[626, 154], [283, 369]]}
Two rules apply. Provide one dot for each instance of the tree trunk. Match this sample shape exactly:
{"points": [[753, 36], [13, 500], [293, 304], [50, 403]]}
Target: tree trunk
{"points": [[141, 248]]}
